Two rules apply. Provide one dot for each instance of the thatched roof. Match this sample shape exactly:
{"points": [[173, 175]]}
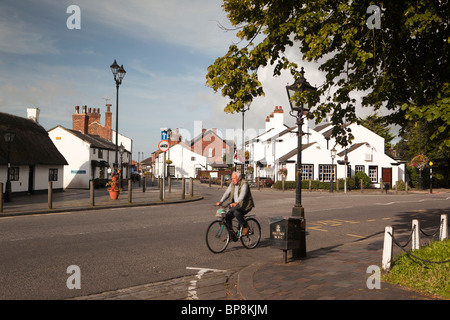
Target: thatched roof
{"points": [[31, 145]]}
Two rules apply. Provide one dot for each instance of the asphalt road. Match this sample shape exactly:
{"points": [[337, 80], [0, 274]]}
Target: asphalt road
{"points": [[120, 248]]}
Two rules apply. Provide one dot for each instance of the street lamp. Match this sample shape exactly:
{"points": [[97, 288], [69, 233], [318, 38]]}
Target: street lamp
{"points": [[300, 85], [119, 73], [333, 155], [243, 144], [9, 138]]}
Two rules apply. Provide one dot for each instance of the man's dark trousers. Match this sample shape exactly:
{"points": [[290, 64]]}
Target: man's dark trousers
{"points": [[238, 213]]}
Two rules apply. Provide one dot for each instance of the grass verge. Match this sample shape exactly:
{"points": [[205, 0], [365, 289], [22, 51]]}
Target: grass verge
{"points": [[428, 278]]}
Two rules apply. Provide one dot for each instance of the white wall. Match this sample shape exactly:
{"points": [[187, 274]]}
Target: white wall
{"points": [[40, 180], [182, 160], [16, 186], [76, 151], [41, 174]]}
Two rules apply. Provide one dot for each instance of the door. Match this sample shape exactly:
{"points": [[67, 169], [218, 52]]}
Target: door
{"points": [[386, 175], [31, 180]]}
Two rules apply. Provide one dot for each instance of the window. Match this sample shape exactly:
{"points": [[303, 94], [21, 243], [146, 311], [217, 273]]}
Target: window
{"points": [[100, 153], [326, 171], [14, 174], [307, 171], [373, 174], [359, 168], [192, 158], [210, 152], [53, 175]]}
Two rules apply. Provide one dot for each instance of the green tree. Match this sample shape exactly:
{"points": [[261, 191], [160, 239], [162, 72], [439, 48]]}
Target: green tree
{"points": [[403, 65], [378, 125], [415, 140]]}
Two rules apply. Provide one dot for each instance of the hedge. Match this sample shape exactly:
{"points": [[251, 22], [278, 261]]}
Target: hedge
{"points": [[352, 183]]}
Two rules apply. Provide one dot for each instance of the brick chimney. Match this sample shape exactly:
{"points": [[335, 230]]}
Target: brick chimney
{"points": [[108, 122], [276, 119], [94, 115], [80, 120]]}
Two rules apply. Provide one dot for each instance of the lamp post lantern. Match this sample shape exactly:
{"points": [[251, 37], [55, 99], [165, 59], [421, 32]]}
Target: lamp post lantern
{"points": [[300, 85], [9, 138], [118, 73]]}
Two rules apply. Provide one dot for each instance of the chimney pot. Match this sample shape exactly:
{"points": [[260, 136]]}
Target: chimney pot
{"points": [[33, 114]]}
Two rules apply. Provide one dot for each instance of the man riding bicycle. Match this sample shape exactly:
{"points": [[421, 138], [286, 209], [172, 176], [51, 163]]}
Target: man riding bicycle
{"points": [[238, 193]]}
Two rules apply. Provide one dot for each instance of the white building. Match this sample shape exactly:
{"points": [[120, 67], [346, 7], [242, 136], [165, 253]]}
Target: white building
{"points": [[277, 148], [34, 160], [184, 162], [88, 156]]}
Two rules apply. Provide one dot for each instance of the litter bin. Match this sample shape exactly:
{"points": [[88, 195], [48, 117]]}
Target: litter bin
{"points": [[286, 233]]}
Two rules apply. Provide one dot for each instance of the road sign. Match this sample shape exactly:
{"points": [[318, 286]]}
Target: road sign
{"points": [[164, 134], [163, 145]]}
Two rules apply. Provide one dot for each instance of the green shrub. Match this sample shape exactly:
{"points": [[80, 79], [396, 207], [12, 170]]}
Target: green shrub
{"points": [[357, 179], [428, 278], [401, 185], [350, 183]]}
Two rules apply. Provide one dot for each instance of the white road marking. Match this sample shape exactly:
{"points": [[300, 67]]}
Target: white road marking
{"points": [[192, 288]]}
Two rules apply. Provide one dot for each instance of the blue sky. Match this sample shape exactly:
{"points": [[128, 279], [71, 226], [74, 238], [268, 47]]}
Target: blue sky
{"points": [[165, 47]]}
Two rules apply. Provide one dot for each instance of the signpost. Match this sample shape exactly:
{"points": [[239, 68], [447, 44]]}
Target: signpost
{"points": [[431, 176], [163, 146]]}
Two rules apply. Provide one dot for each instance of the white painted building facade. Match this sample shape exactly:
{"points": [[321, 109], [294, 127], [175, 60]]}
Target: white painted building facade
{"points": [[89, 156], [34, 160], [276, 148], [185, 162]]}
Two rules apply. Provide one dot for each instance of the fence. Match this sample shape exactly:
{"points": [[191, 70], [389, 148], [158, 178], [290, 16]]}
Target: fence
{"points": [[414, 238]]}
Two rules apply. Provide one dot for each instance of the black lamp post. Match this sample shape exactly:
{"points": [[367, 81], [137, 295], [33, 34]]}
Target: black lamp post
{"points": [[119, 73], [300, 85], [243, 144], [9, 138]]}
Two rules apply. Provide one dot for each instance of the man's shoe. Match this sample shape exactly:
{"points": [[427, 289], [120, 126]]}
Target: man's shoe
{"points": [[245, 230]]}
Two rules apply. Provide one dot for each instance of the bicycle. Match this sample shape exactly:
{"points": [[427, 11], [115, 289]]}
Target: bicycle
{"points": [[218, 236]]}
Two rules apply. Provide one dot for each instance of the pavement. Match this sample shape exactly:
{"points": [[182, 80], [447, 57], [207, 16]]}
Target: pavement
{"points": [[80, 200], [334, 273]]}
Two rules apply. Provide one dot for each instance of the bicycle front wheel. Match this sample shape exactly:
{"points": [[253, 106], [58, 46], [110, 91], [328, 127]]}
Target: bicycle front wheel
{"points": [[252, 238], [217, 237]]}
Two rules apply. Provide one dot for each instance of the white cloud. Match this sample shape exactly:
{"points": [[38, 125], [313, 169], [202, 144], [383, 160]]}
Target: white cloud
{"points": [[192, 24], [18, 37]]}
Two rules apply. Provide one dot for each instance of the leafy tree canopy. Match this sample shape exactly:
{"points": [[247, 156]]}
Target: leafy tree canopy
{"points": [[377, 124], [402, 66]]}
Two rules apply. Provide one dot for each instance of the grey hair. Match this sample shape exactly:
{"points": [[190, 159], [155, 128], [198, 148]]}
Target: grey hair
{"points": [[237, 173]]}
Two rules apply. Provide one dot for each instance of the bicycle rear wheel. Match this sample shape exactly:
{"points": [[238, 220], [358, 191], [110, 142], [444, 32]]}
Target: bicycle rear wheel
{"points": [[217, 237], [252, 238]]}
